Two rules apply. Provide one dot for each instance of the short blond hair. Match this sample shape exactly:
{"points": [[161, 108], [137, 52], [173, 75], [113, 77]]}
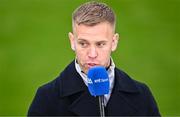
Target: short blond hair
{"points": [[92, 13]]}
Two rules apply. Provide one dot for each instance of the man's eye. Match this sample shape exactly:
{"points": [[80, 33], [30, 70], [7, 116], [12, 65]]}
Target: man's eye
{"points": [[83, 44], [100, 44]]}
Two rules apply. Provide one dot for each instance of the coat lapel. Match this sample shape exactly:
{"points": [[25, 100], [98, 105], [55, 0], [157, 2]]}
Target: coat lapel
{"points": [[85, 105], [120, 102], [74, 89]]}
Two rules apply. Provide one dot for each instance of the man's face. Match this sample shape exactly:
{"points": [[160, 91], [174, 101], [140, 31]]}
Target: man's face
{"points": [[93, 44]]}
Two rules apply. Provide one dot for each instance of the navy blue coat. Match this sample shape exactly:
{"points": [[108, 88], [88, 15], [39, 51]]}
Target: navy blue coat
{"points": [[68, 95]]}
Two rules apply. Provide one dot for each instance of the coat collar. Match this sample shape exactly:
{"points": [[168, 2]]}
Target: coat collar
{"points": [[71, 85], [71, 82], [124, 82]]}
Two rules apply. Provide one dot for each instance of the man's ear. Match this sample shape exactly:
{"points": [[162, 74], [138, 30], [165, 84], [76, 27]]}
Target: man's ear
{"points": [[72, 40], [115, 42]]}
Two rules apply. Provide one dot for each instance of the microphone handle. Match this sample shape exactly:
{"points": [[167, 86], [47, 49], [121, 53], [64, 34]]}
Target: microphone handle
{"points": [[101, 106]]}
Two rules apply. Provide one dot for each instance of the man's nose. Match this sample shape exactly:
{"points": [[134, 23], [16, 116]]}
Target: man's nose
{"points": [[92, 53]]}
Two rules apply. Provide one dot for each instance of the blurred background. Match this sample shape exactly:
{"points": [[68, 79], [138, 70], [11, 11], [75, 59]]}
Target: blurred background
{"points": [[34, 48]]}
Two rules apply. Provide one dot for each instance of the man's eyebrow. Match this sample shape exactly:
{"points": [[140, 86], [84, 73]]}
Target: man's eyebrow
{"points": [[103, 41], [80, 39]]}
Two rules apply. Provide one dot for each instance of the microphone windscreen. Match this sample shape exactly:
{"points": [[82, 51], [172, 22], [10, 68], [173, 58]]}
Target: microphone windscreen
{"points": [[98, 81]]}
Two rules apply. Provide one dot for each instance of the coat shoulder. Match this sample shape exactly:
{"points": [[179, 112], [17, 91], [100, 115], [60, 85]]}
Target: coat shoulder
{"points": [[47, 95]]}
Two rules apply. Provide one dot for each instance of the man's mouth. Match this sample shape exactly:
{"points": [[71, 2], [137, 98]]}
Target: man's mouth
{"points": [[91, 65]]}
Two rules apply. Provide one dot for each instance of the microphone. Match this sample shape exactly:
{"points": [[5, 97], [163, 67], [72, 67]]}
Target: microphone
{"points": [[98, 85]]}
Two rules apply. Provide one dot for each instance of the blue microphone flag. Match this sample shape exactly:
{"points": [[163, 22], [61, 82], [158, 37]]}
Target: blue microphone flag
{"points": [[98, 81]]}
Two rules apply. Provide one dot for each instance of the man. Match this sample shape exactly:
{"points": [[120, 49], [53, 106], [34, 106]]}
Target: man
{"points": [[93, 39]]}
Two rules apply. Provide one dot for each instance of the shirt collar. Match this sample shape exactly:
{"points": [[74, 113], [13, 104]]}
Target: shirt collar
{"points": [[110, 70]]}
